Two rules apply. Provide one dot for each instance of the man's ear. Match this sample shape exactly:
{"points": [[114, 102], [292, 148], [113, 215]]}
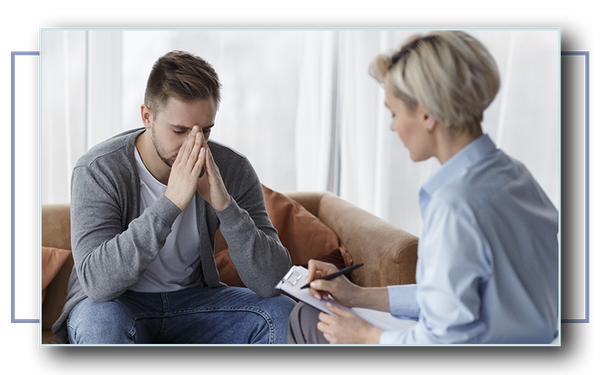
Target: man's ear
{"points": [[146, 116]]}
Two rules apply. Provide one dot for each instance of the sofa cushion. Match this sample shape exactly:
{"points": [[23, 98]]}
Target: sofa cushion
{"points": [[300, 232]]}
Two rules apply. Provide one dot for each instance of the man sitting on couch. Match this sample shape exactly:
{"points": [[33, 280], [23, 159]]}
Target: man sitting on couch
{"points": [[145, 207]]}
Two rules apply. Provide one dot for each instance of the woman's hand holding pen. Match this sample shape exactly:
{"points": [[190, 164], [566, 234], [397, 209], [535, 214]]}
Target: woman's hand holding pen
{"points": [[343, 327], [344, 291]]}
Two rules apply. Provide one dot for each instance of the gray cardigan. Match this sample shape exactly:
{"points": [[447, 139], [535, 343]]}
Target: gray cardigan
{"points": [[113, 243]]}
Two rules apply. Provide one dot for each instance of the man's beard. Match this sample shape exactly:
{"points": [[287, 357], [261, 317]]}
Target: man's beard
{"points": [[160, 151]]}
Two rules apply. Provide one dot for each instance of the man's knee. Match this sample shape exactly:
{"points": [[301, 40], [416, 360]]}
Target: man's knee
{"points": [[279, 307], [278, 310], [100, 323]]}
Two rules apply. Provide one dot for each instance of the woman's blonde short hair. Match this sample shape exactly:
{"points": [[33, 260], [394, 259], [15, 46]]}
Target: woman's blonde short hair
{"points": [[449, 73]]}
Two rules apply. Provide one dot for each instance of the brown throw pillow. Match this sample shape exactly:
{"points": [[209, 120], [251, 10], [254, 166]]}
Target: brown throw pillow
{"points": [[302, 233]]}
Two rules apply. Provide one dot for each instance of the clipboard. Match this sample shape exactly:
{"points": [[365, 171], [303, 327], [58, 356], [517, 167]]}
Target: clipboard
{"points": [[295, 278]]}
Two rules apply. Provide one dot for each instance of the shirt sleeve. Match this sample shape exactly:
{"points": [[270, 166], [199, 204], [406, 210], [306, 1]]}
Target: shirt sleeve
{"points": [[403, 301], [454, 264]]}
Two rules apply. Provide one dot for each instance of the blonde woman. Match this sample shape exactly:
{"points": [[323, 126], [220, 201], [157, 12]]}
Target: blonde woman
{"points": [[487, 270]]}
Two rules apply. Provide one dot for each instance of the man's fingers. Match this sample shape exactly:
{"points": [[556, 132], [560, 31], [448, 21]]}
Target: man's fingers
{"points": [[211, 167], [193, 155], [200, 161], [186, 147], [181, 184]]}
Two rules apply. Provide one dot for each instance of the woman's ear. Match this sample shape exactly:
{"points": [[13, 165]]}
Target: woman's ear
{"points": [[429, 122]]}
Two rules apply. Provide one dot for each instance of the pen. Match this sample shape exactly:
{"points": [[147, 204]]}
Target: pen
{"points": [[338, 273]]}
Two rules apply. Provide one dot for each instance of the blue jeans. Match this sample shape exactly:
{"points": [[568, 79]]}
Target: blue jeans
{"points": [[226, 315]]}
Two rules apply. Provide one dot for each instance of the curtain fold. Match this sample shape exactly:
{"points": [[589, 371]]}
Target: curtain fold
{"points": [[63, 108], [360, 107], [316, 118]]}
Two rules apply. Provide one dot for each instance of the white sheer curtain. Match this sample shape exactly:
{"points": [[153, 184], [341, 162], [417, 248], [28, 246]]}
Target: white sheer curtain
{"points": [[316, 120], [63, 88], [298, 103], [376, 171]]}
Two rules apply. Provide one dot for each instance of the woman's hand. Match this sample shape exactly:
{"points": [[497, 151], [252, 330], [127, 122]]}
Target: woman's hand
{"points": [[344, 291], [345, 327]]}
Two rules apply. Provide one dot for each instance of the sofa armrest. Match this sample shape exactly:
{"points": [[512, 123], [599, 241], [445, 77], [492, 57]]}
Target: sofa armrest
{"points": [[389, 253], [56, 232], [56, 225], [308, 199]]}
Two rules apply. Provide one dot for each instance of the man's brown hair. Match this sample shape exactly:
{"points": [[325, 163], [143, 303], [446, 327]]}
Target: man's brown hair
{"points": [[182, 76]]}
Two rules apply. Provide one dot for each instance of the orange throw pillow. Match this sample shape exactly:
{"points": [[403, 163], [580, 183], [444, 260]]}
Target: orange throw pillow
{"points": [[300, 232]]}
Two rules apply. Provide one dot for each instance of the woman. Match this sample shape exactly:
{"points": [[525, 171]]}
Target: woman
{"points": [[487, 269]]}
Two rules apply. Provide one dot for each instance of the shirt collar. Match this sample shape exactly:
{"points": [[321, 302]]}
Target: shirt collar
{"points": [[457, 166]]}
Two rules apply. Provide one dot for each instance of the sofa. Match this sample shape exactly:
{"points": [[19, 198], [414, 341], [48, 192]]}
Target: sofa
{"points": [[312, 225]]}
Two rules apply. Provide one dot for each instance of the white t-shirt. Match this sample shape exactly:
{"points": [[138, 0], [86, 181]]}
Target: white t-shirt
{"points": [[178, 263]]}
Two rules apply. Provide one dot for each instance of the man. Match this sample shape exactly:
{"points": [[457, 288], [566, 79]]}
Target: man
{"points": [[145, 207]]}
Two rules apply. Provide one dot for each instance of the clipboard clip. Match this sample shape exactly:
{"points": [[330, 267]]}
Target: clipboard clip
{"points": [[292, 277]]}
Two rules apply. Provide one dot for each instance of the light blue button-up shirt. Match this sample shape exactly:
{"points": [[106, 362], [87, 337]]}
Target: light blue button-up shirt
{"points": [[487, 270]]}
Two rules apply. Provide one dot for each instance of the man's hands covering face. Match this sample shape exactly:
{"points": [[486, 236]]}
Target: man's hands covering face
{"points": [[211, 187], [184, 179]]}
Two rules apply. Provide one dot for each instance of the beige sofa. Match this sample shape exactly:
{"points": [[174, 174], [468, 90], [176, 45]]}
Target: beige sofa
{"points": [[389, 254]]}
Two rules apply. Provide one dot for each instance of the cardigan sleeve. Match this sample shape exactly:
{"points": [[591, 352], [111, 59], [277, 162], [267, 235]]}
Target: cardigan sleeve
{"points": [[255, 249], [108, 257]]}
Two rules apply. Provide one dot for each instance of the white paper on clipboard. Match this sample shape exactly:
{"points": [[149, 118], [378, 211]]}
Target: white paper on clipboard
{"points": [[296, 278]]}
